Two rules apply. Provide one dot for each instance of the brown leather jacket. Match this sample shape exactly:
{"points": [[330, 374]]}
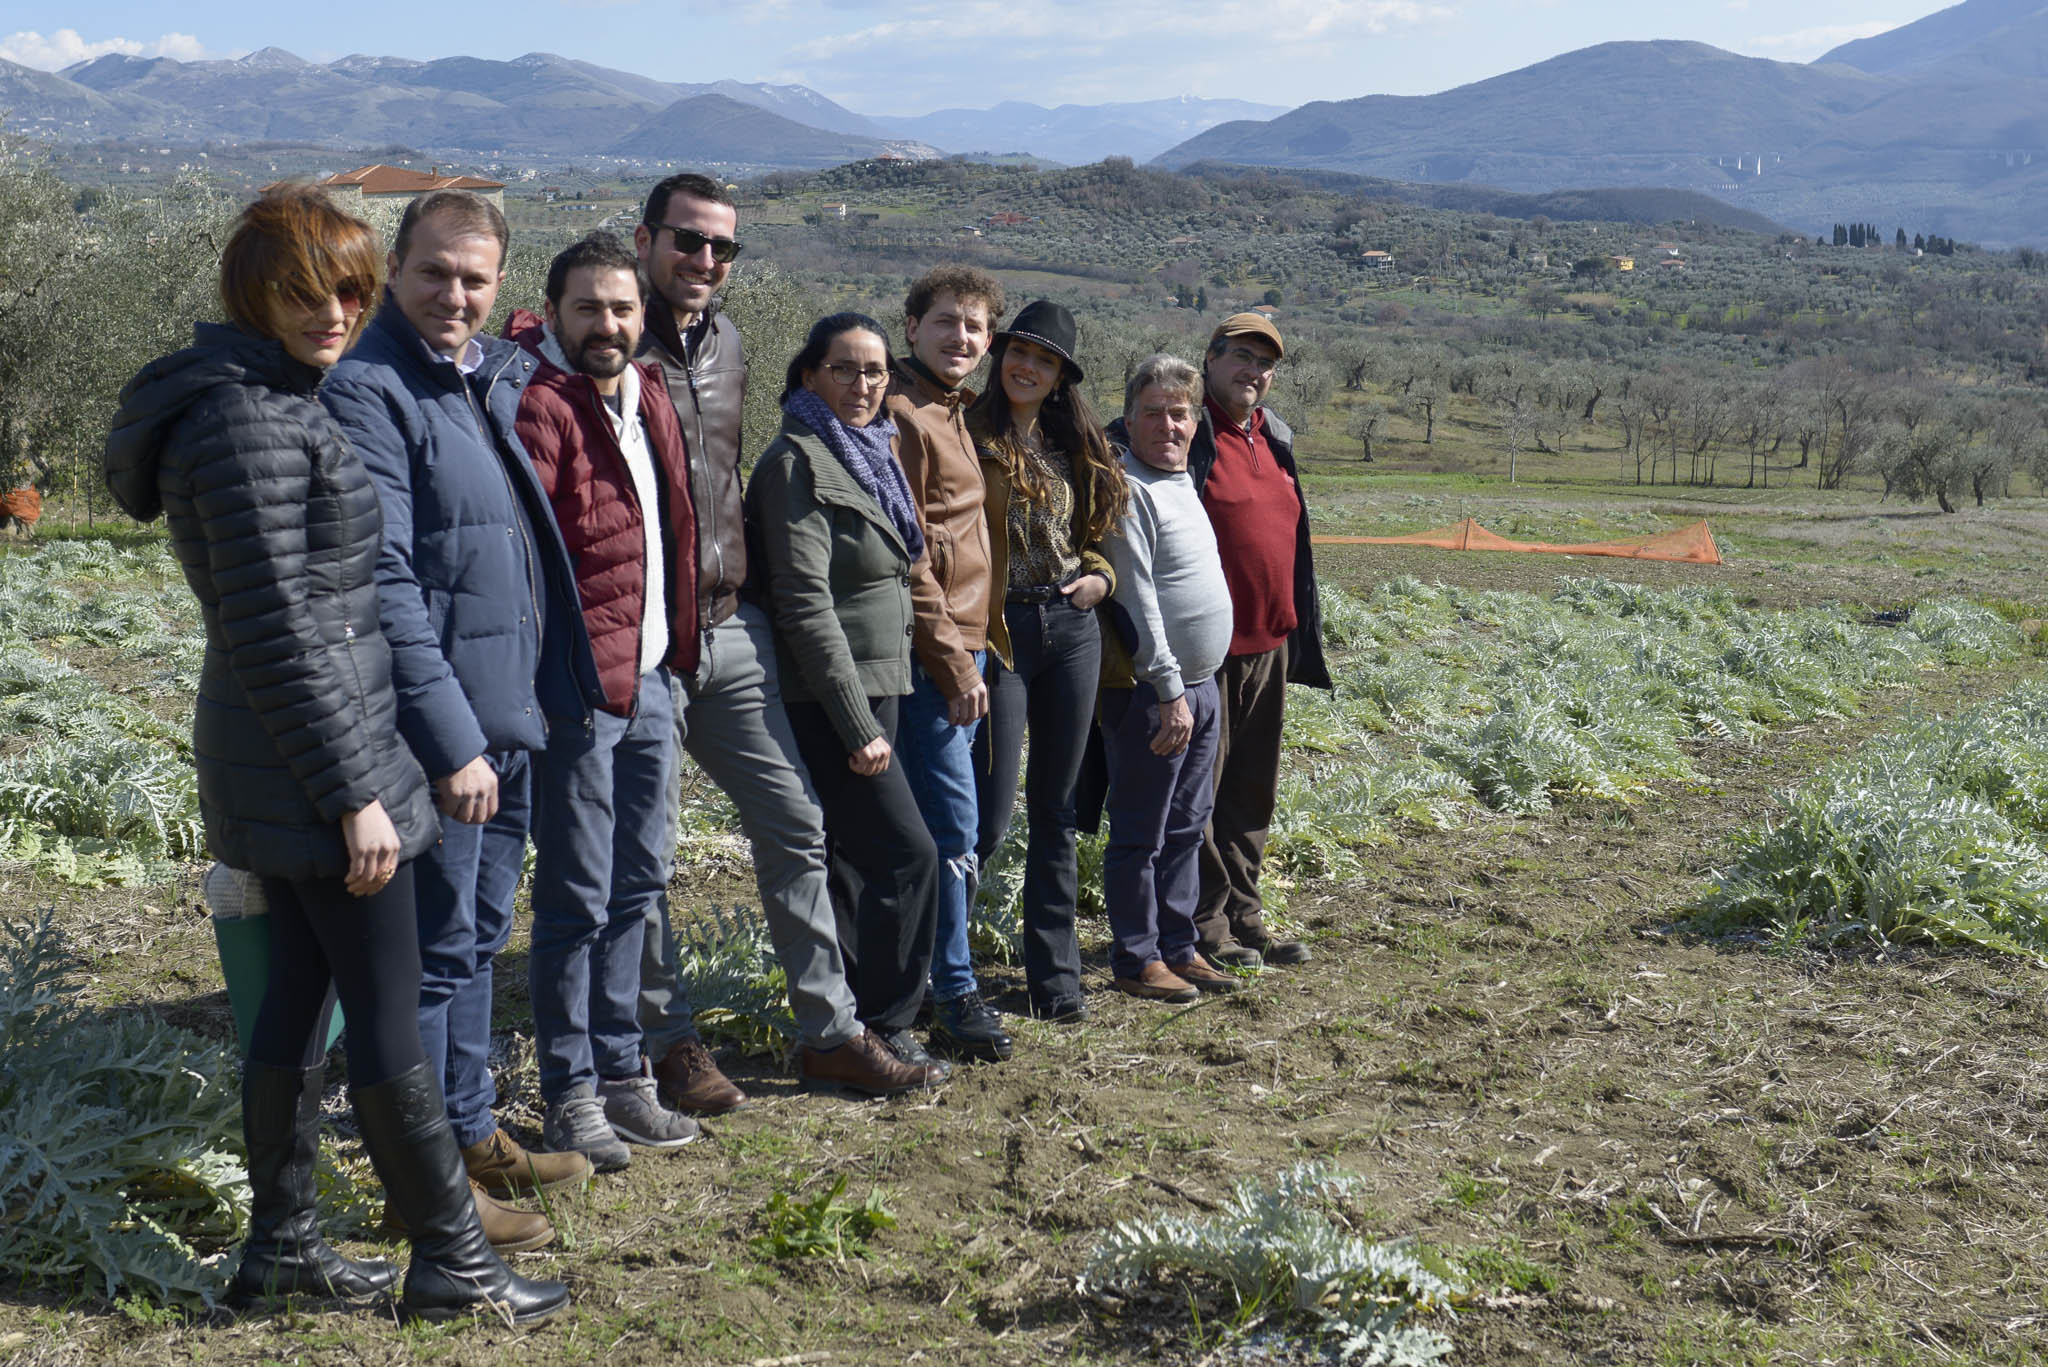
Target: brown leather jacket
{"points": [[938, 458], [707, 382]]}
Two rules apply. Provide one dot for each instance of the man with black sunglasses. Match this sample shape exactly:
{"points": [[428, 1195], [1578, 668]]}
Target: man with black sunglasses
{"points": [[729, 709]]}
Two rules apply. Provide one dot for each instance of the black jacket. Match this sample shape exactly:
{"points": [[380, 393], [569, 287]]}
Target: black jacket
{"points": [[1305, 643], [278, 529]]}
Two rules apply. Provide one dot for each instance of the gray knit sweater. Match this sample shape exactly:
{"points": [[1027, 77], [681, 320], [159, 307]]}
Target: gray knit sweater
{"points": [[1169, 580]]}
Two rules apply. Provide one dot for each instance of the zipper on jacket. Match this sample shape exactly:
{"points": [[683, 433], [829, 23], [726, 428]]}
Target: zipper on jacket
{"points": [[697, 418], [483, 435], [632, 492]]}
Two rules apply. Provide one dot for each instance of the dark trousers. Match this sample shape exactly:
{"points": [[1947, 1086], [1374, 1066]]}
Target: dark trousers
{"points": [[888, 902], [1251, 706], [1050, 688], [326, 943], [1158, 806]]}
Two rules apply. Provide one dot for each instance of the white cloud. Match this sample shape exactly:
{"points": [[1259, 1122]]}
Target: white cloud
{"points": [[1808, 43], [64, 47]]}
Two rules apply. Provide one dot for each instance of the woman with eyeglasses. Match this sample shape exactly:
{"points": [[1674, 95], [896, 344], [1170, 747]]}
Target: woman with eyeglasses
{"points": [[1054, 491], [837, 543], [303, 779]]}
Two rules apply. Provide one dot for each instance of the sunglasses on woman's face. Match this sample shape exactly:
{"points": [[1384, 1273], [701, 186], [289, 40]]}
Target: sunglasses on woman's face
{"points": [[689, 242]]}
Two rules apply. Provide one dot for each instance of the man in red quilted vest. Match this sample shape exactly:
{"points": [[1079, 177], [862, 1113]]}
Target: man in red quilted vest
{"points": [[605, 443]]}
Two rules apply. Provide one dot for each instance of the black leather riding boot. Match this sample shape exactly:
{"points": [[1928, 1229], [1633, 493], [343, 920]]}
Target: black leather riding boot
{"points": [[454, 1272], [284, 1254]]}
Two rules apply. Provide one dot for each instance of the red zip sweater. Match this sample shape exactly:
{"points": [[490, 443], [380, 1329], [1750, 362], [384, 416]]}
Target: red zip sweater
{"points": [[569, 439]]}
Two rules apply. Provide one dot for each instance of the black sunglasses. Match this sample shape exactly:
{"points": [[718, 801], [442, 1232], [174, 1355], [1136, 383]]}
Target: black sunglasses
{"points": [[689, 242]]}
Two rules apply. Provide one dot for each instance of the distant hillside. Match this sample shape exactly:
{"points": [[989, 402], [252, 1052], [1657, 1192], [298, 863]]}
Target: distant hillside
{"points": [[1076, 133], [713, 128], [1615, 204], [1939, 36], [539, 103], [1959, 148]]}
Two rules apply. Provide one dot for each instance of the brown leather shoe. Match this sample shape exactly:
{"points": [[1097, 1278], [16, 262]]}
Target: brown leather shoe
{"points": [[690, 1080], [863, 1065], [507, 1228], [504, 1169], [1206, 977], [1156, 982]]}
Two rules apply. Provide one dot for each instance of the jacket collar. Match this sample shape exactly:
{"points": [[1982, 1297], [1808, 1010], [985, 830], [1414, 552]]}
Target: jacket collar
{"points": [[421, 360], [914, 375], [833, 483]]}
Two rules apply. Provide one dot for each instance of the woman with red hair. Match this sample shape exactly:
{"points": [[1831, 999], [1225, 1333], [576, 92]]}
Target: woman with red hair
{"points": [[303, 779]]}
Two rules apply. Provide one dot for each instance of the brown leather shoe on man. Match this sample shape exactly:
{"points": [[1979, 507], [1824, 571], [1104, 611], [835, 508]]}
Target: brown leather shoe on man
{"points": [[690, 1080], [505, 1170], [863, 1065], [1206, 977], [507, 1228], [1158, 983]]}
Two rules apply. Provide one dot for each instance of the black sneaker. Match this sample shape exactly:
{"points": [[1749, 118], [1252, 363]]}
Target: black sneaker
{"points": [[904, 1045], [968, 1027]]}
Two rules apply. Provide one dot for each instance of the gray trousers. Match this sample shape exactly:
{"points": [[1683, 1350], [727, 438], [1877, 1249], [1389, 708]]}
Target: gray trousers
{"points": [[733, 726]]}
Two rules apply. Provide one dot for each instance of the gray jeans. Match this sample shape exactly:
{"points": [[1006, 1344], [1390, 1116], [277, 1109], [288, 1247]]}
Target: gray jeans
{"points": [[735, 729]]}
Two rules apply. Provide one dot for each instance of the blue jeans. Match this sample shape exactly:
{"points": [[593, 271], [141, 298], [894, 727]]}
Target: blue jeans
{"points": [[1057, 649], [1158, 807], [602, 855], [463, 890], [938, 759]]}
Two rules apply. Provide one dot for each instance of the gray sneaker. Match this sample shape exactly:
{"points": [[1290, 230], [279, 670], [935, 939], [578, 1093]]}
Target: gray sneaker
{"points": [[576, 1123], [633, 1106]]}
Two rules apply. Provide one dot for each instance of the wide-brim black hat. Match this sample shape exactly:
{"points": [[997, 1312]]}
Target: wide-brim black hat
{"points": [[1052, 327]]}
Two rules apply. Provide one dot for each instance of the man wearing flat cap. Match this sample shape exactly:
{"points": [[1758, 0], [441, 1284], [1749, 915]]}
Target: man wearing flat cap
{"points": [[1242, 462]]}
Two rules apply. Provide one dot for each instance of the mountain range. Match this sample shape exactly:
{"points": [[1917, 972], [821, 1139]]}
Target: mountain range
{"points": [[550, 105], [1940, 126]]}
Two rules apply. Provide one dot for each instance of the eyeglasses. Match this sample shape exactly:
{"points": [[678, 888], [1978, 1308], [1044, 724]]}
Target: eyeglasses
{"points": [[689, 242], [847, 376], [1263, 364]]}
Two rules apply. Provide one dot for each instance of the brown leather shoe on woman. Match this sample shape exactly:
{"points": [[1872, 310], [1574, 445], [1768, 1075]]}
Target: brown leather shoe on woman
{"points": [[1156, 982], [863, 1065]]}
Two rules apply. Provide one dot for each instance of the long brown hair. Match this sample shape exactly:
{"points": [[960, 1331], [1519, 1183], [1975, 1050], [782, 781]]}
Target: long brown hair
{"points": [[1068, 423]]}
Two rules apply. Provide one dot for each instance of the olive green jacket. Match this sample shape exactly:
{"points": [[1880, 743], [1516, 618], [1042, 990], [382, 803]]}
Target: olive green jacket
{"points": [[835, 579], [995, 479]]}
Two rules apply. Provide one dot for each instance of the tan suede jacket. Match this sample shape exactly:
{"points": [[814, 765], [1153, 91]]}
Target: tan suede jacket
{"points": [[953, 603]]}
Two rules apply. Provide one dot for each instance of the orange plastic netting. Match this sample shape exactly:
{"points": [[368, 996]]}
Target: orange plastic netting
{"points": [[1694, 544]]}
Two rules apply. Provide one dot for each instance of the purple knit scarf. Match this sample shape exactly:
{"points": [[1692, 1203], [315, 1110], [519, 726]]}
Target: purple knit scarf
{"points": [[868, 457]]}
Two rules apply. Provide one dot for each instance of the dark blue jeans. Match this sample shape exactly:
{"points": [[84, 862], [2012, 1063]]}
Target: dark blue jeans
{"points": [[1050, 688], [463, 888], [938, 760], [602, 853], [1158, 807]]}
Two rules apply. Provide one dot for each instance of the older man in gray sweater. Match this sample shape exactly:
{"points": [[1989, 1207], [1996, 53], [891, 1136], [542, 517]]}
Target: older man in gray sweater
{"points": [[1171, 623]]}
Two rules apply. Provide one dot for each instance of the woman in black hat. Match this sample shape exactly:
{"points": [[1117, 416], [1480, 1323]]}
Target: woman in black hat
{"points": [[1054, 491]]}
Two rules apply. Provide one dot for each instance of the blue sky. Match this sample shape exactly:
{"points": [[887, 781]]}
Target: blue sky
{"points": [[913, 56]]}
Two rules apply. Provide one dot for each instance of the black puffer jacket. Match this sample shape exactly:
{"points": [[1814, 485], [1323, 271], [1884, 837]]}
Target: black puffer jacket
{"points": [[277, 527]]}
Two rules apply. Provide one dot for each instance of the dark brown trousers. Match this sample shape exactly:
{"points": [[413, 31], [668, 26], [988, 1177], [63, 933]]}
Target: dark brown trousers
{"points": [[1252, 703]]}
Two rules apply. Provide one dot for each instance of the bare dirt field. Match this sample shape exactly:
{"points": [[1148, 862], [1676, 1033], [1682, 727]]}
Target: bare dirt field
{"points": [[1639, 1145]]}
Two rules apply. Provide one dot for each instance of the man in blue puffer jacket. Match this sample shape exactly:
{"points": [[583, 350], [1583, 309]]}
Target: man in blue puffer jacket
{"points": [[472, 566]]}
